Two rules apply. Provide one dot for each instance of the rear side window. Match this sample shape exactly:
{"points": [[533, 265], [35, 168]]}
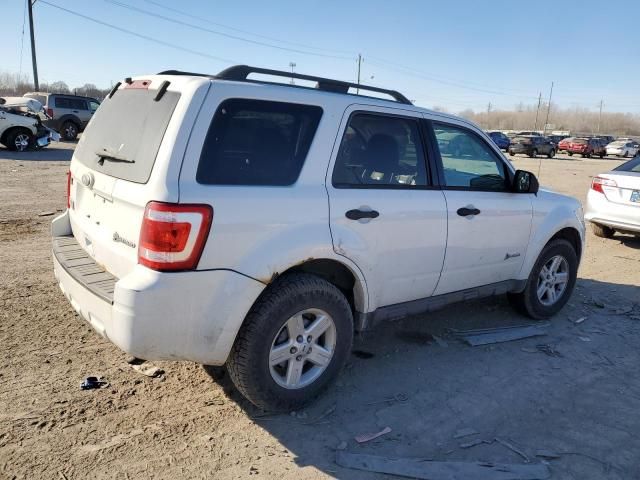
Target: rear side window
{"points": [[125, 133], [73, 103], [380, 151], [256, 142]]}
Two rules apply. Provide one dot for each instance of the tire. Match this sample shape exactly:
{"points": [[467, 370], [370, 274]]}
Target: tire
{"points": [[512, 154], [551, 154], [19, 140], [529, 302], [570, 154], [69, 130], [602, 231], [266, 327], [534, 153], [626, 154], [602, 155]]}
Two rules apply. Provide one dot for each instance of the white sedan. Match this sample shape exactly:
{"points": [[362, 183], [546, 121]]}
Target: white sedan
{"points": [[613, 202], [623, 148]]}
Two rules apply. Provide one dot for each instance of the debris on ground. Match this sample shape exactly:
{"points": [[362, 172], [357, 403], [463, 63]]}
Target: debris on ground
{"points": [[131, 360], [473, 443], [426, 469], [580, 320], [465, 432], [150, 371], [46, 214], [486, 336], [398, 397], [90, 383], [342, 446], [362, 354], [549, 350], [327, 413], [584, 339], [513, 448], [367, 437]]}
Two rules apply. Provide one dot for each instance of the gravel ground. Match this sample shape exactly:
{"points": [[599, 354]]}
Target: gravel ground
{"points": [[580, 402]]}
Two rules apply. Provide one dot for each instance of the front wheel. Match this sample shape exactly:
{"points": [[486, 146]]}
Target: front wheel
{"points": [[512, 153], [19, 140], [534, 153], [293, 343], [550, 282], [69, 130]]}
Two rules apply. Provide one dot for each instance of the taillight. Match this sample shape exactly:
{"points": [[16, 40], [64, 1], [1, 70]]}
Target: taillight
{"points": [[50, 112], [599, 182], [173, 235], [69, 182]]}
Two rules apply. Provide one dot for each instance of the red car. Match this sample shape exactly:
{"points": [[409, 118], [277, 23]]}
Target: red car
{"points": [[563, 145], [587, 147]]}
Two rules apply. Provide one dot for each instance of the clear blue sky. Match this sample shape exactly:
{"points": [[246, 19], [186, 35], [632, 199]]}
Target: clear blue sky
{"points": [[463, 53]]}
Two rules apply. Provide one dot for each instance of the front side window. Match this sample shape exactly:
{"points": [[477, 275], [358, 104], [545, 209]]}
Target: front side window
{"points": [[256, 142], [468, 161], [93, 106], [380, 151]]}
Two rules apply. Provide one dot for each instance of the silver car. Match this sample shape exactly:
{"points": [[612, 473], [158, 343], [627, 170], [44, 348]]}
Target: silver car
{"points": [[613, 201]]}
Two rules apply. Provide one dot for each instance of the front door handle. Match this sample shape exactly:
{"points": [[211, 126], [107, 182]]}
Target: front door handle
{"points": [[466, 212], [357, 214]]}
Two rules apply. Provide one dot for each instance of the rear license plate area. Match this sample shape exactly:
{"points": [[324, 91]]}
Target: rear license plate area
{"points": [[635, 196]]}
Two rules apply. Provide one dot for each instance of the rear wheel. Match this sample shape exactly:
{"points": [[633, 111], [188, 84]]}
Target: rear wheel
{"points": [[570, 154], [602, 231], [19, 140], [534, 153], [602, 155], [626, 154], [69, 130], [512, 153], [293, 343], [552, 153], [550, 282]]}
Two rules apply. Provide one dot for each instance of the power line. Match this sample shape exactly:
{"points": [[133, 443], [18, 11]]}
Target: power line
{"points": [[286, 42], [139, 35], [222, 34]]}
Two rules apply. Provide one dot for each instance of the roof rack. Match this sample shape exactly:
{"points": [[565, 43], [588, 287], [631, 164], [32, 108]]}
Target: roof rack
{"points": [[241, 72]]}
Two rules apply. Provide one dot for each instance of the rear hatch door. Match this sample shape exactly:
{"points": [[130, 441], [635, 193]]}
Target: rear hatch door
{"points": [[127, 156]]}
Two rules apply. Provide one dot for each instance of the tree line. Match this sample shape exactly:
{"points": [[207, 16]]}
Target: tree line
{"points": [[14, 85]]}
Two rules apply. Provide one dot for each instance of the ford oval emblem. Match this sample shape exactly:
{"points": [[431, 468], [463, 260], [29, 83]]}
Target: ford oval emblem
{"points": [[87, 180]]}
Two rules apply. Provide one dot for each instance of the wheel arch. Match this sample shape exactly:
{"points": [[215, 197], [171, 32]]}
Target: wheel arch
{"points": [[571, 235], [4, 135]]}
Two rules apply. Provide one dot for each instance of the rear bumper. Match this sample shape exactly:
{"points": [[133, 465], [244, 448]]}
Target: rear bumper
{"points": [[162, 316], [603, 212]]}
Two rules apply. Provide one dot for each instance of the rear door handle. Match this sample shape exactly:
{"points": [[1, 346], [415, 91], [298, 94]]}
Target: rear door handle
{"points": [[357, 214], [466, 211]]}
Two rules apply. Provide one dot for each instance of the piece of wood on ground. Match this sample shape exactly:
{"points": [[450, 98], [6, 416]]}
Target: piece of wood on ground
{"points": [[487, 336], [425, 469], [149, 371]]}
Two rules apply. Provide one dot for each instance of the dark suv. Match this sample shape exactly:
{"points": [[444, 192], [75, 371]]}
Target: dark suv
{"points": [[532, 145], [69, 114]]}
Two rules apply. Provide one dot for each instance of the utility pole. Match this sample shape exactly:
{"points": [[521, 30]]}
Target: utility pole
{"points": [[488, 112], [535, 125], [33, 46], [359, 65], [600, 115], [292, 65], [546, 122]]}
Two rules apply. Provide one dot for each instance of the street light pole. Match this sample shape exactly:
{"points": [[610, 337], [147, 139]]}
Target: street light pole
{"points": [[546, 122], [33, 46]]}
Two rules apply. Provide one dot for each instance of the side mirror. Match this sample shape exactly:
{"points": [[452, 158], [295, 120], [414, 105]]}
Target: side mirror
{"points": [[525, 182]]}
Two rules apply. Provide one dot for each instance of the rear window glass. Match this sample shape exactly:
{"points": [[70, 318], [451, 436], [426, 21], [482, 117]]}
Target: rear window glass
{"points": [[630, 166], [580, 141], [255, 142], [124, 135], [522, 140], [75, 103]]}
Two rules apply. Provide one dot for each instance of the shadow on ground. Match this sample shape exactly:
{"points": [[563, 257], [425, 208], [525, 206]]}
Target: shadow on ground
{"points": [[580, 402], [53, 153]]}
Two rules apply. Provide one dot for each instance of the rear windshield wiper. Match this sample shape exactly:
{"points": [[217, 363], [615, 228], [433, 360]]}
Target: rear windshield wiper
{"points": [[112, 157]]}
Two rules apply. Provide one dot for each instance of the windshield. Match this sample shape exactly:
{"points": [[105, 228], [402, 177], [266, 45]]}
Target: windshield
{"points": [[125, 133], [522, 140]]}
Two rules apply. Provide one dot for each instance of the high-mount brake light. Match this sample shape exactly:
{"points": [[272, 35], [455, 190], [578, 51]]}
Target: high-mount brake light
{"points": [[173, 235]]}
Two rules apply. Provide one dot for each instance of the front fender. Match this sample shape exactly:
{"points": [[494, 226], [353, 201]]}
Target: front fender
{"points": [[552, 213]]}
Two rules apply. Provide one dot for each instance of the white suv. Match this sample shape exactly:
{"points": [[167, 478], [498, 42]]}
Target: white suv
{"points": [[241, 222]]}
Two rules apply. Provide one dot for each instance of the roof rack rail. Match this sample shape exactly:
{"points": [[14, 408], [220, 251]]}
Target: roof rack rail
{"points": [[241, 72]]}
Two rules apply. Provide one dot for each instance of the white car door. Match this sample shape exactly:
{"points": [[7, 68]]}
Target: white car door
{"points": [[489, 226], [385, 214]]}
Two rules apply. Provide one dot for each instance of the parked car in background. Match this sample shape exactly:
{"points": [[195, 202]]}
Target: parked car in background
{"points": [[199, 253], [69, 114], [563, 145], [21, 125], [500, 139], [532, 145], [613, 201], [587, 147], [623, 148], [556, 139]]}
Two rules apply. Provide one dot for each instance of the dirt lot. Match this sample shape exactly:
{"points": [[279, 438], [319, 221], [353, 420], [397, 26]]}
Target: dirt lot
{"points": [[582, 404]]}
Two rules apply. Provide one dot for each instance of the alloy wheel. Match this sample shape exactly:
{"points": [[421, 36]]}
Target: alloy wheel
{"points": [[552, 280]]}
